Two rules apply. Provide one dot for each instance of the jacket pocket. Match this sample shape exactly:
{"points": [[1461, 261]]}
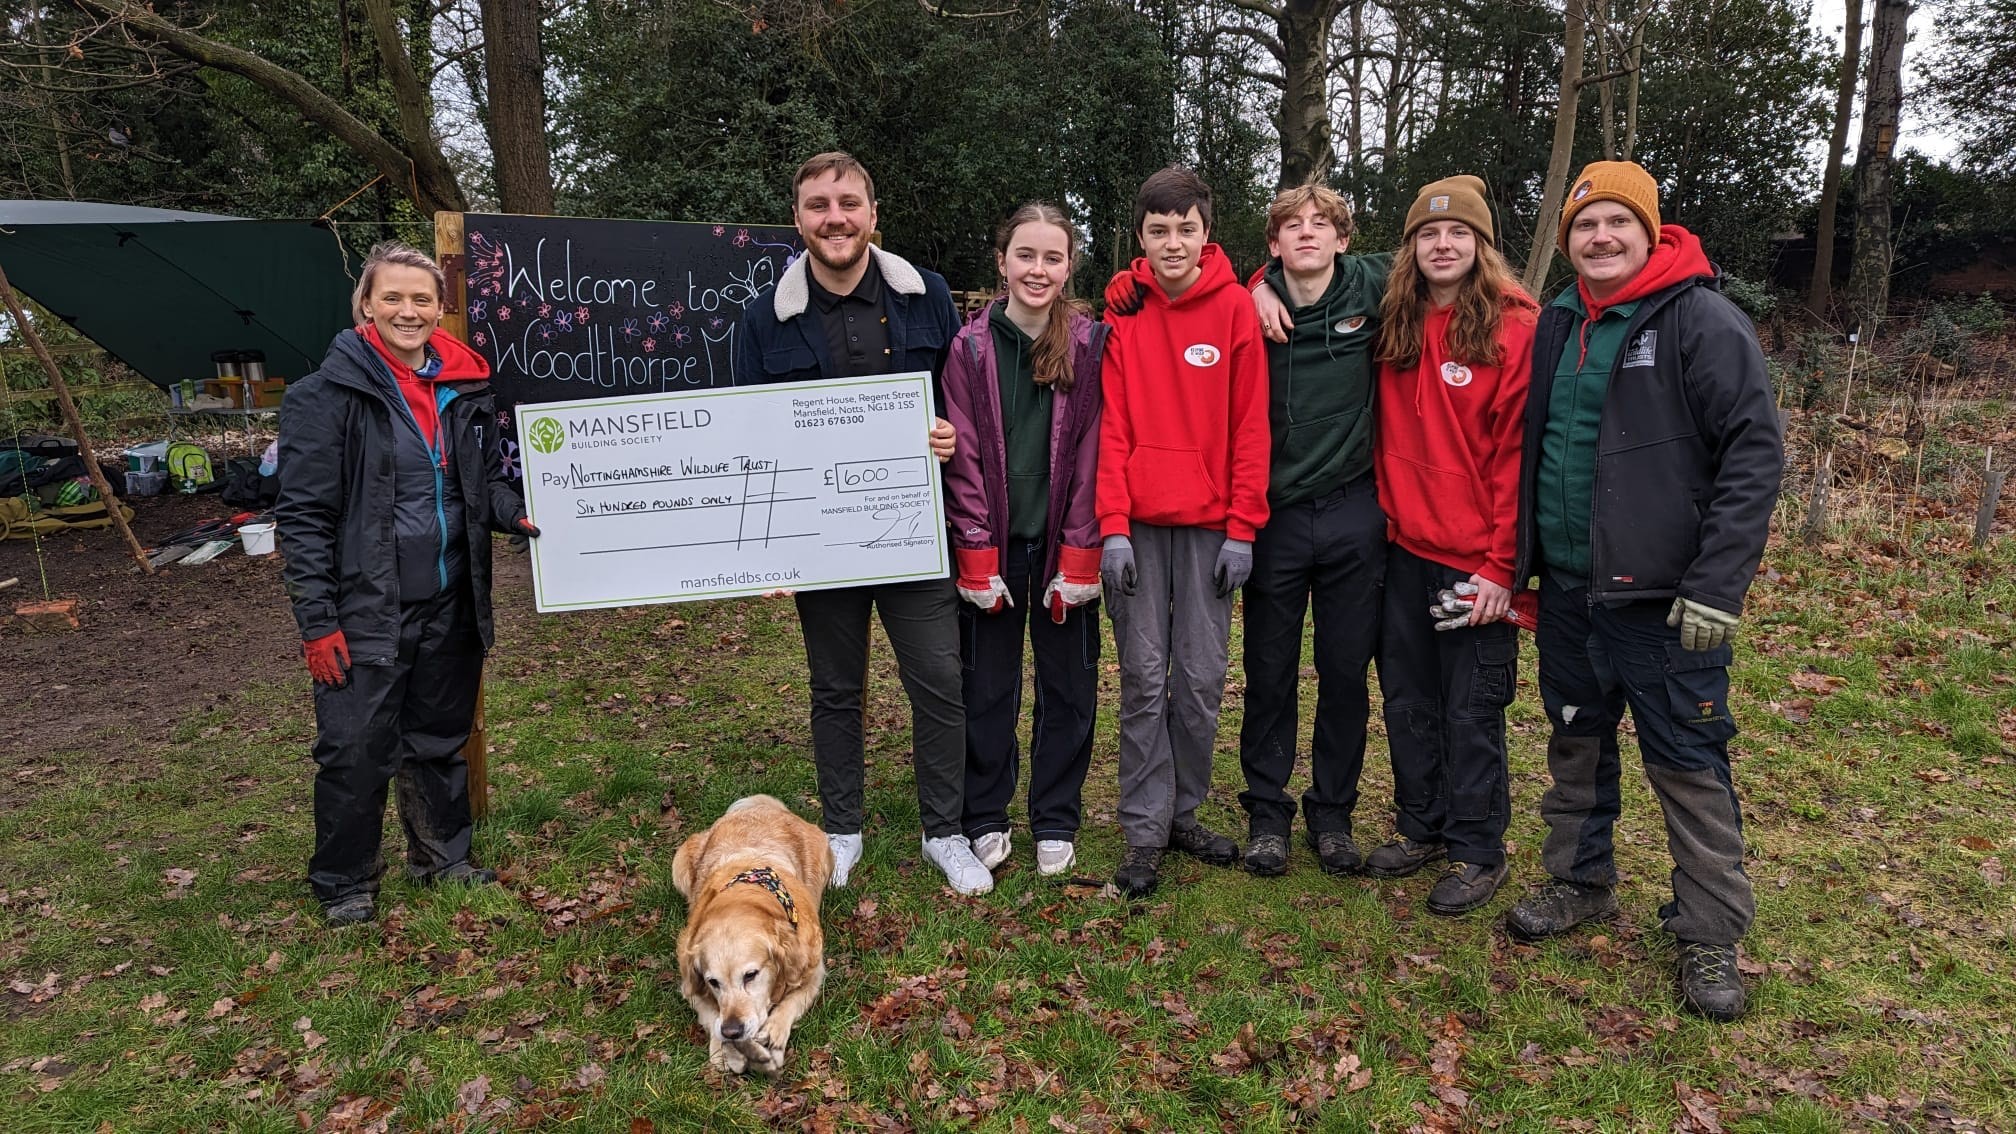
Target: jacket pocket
{"points": [[1168, 484], [1435, 508], [781, 362]]}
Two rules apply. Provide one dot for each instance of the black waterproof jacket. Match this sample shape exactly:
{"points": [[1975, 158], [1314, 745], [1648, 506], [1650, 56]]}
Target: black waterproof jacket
{"points": [[335, 511], [1688, 457]]}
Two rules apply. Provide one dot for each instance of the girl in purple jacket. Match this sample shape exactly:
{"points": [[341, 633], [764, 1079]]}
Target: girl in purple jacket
{"points": [[1022, 392]]}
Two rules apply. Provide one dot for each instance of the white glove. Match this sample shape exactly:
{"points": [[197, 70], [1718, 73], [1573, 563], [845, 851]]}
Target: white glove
{"points": [[990, 598], [1061, 596]]}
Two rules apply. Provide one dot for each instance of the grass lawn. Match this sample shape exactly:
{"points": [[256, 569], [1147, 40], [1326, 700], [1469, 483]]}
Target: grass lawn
{"points": [[166, 970]]}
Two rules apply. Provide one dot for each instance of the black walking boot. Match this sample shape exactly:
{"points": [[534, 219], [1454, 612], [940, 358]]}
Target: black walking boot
{"points": [[1140, 869], [1559, 908], [1267, 855], [353, 910], [1336, 853], [1403, 856], [1204, 845], [1466, 886], [1710, 982]]}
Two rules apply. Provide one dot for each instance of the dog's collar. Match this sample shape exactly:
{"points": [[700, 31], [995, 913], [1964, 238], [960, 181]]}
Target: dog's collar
{"points": [[767, 878]]}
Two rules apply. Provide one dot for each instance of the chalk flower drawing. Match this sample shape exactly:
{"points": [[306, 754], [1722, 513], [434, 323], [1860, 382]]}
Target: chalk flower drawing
{"points": [[741, 238], [478, 310], [504, 311], [545, 311], [677, 309], [486, 265], [650, 346], [656, 322], [720, 230], [546, 332], [630, 330], [479, 338], [681, 336], [563, 321], [581, 314]]}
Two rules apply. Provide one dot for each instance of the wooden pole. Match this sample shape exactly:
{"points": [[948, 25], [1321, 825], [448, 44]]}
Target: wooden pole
{"points": [[448, 250], [1816, 506], [71, 419], [1991, 494]]}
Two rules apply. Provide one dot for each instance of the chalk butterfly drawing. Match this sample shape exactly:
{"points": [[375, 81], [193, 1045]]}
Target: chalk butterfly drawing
{"points": [[681, 336], [656, 322], [545, 311], [581, 314], [478, 310], [741, 238], [486, 266], [564, 322], [650, 346], [630, 328]]}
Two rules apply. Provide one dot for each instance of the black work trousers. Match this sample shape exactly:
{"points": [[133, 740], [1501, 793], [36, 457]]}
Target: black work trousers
{"points": [[1445, 693], [405, 721], [1332, 550], [923, 629], [1067, 700], [1595, 661]]}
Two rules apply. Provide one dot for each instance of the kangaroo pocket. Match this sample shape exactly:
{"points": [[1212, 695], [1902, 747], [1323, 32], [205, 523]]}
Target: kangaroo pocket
{"points": [[1438, 510], [1172, 486], [1312, 453]]}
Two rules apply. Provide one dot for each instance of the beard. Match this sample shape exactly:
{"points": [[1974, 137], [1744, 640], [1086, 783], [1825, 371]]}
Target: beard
{"points": [[819, 251]]}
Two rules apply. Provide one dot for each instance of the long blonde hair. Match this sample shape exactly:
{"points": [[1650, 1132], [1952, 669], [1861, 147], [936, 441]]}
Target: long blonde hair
{"points": [[1481, 301], [1052, 354], [394, 252]]}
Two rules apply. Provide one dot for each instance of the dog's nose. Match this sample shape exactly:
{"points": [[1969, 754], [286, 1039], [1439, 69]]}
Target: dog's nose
{"points": [[732, 1029]]}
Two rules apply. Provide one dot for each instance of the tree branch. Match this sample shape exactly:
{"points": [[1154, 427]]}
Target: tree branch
{"points": [[1271, 43], [1261, 8], [938, 9]]}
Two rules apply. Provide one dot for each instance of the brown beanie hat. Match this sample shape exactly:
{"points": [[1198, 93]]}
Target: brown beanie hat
{"points": [[1459, 198], [1624, 182]]}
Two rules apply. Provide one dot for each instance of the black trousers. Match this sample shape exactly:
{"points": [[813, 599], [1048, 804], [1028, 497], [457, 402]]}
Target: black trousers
{"points": [[924, 631], [1067, 700], [1334, 550], [1595, 661], [408, 721], [1445, 694]]}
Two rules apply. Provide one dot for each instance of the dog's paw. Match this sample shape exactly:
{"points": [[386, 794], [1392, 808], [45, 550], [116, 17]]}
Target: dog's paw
{"points": [[763, 1057], [727, 1059]]}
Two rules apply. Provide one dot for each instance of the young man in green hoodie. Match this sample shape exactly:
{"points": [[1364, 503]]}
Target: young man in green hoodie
{"points": [[1325, 536], [1651, 466]]}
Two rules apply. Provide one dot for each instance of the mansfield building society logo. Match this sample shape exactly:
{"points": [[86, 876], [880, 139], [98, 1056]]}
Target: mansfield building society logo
{"points": [[547, 435]]}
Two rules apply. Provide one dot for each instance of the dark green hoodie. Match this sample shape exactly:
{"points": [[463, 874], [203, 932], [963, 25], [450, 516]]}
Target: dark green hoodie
{"points": [[1321, 382]]}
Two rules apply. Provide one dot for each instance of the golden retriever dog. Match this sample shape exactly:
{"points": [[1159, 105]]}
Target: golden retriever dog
{"points": [[752, 955]]}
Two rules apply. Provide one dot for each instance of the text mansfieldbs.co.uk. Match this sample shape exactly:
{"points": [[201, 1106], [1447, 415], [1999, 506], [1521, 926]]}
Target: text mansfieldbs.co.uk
{"points": [[741, 579]]}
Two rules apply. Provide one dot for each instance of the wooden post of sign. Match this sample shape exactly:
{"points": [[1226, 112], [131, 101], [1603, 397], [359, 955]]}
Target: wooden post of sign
{"points": [[454, 320]]}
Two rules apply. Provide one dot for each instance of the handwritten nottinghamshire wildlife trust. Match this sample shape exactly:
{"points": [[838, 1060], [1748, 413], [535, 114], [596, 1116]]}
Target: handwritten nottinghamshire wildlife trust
{"points": [[714, 493]]}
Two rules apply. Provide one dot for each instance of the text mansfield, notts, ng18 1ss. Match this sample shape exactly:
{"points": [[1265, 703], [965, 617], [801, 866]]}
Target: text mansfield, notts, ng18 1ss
{"points": [[716, 493]]}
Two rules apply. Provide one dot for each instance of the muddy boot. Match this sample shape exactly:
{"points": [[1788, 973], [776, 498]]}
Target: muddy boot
{"points": [[1403, 856], [1267, 855], [1204, 845], [1336, 853], [1710, 982], [1559, 908], [1140, 871], [353, 910], [464, 873], [1466, 886]]}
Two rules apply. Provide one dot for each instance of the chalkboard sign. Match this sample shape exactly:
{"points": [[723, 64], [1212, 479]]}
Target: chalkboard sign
{"points": [[566, 308]]}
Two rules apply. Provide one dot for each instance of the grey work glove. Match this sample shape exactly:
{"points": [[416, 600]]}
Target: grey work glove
{"points": [[1116, 565], [1235, 565], [1701, 627]]}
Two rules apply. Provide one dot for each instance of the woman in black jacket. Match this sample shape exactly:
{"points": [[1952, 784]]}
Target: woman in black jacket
{"points": [[391, 485]]}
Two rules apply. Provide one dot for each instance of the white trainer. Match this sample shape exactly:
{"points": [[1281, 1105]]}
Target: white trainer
{"points": [[846, 852], [1055, 856], [992, 848], [954, 855]]}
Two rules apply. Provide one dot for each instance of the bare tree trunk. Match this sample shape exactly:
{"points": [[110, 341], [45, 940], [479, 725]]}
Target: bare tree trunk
{"points": [[1357, 93], [48, 100], [418, 167], [1542, 253], [1306, 153], [516, 69], [1883, 101], [1821, 294], [1643, 16], [1606, 93], [415, 103]]}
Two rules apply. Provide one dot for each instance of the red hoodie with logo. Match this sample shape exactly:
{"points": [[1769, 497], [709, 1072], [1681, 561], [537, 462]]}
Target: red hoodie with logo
{"points": [[1450, 434], [1184, 439], [456, 363]]}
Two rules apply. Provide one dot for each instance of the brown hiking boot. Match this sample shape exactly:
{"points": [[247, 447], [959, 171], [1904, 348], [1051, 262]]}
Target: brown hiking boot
{"points": [[1403, 856], [1466, 886], [1559, 908]]}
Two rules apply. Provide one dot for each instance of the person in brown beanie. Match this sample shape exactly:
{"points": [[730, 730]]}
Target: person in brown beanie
{"points": [[1651, 467]]}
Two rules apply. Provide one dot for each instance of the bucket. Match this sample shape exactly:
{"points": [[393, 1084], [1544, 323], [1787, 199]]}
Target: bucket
{"points": [[257, 538]]}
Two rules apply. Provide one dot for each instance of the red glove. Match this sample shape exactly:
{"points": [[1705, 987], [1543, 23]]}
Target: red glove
{"points": [[1525, 612], [1125, 294], [979, 583], [1076, 582], [328, 659], [528, 527]]}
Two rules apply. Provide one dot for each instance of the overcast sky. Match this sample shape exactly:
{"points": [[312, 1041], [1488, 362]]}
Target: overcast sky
{"points": [[1915, 132]]}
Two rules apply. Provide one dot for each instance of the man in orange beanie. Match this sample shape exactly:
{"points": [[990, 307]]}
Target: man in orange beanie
{"points": [[1651, 467]]}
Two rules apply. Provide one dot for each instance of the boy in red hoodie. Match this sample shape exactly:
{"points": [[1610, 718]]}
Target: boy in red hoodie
{"points": [[1182, 488], [1652, 460], [1455, 358]]}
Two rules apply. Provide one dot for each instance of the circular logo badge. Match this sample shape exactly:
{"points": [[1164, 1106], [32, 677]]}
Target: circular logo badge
{"points": [[1202, 354], [1456, 374], [1582, 190], [1346, 326], [546, 435]]}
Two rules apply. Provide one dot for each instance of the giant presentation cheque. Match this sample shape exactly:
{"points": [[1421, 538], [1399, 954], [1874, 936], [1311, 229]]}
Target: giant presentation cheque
{"points": [[715, 493]]}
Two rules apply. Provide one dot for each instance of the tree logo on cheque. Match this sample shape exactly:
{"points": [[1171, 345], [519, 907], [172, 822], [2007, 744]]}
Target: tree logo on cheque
{"points": [[546, 435]]}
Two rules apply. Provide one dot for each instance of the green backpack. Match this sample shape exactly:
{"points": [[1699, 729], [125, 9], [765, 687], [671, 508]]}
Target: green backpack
{"points": [[189, 466]]}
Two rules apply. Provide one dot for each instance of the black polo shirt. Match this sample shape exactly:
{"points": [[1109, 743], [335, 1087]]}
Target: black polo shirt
{"points": [[856, 324]]}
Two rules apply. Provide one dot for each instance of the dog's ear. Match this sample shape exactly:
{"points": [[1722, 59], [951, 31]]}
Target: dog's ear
{"points": [[692, 982], [686, 864]]}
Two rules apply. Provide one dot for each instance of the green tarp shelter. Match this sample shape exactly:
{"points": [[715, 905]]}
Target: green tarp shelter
{"points": [[161, 290]]}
